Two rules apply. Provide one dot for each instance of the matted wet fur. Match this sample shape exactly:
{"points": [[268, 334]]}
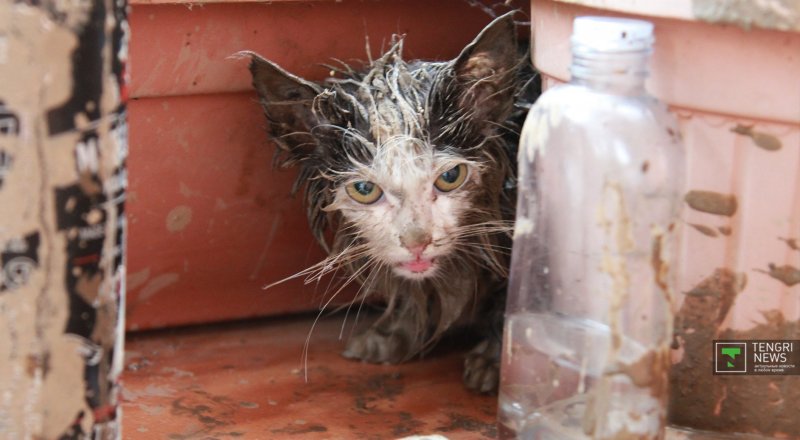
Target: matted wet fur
{"points": [[410, 167]]}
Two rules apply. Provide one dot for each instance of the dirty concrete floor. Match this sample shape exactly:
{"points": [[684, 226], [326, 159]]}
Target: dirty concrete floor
{"points": [[246, 381]]}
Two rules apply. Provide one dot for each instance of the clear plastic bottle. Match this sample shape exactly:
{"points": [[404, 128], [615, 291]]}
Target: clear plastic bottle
{"points": [[589, 320]]}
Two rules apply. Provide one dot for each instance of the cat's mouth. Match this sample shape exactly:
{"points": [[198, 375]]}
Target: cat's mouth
{"points": [[418, 267]]}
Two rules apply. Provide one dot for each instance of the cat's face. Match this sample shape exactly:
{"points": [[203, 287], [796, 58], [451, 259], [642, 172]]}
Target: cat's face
{"points": [[403, 159], [409, 204]]}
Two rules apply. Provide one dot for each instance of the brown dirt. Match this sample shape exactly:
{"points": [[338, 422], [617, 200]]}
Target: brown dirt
{"points": [[727, 404]]}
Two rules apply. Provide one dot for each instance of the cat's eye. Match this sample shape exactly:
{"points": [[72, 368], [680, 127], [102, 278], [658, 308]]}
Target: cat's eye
{"points": [[364, 192], [452, 178]]}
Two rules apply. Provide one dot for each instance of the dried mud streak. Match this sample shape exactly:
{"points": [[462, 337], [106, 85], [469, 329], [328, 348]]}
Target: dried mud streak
{"points": [[300, 429], [793, 243], [712, 202], [660, 268], [705, 230], [728, 404], [788, 275], [762, 140], [651, 371]]}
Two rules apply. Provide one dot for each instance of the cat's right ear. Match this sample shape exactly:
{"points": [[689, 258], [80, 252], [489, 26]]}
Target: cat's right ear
{"points": [[486, 70], [288, 102]]}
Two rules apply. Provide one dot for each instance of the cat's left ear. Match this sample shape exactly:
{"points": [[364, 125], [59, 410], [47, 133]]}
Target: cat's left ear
{"points": [[288, 102], [486, 70]]}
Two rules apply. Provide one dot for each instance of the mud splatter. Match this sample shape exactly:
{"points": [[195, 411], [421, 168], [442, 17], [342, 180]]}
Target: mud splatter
{"points": [[211, 412], [39, 362], [793, 243], [157, 284], [725, 230], [177, 373], [407, 425], [374, 388], [712, 202], [786, 274], [137, 279], [199, 412], [137, 365], [179, 218], [150, 391], [714, 296], [705, 230], [660, 267], [762, 140], [460, 422], [249, 405], [650, 371]]}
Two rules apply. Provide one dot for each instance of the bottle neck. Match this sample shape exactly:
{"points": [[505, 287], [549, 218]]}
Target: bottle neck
{"points": [[621, 72]]}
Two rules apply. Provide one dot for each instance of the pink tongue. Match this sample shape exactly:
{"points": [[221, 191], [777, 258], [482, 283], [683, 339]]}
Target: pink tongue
{"points": [[418, 265]]}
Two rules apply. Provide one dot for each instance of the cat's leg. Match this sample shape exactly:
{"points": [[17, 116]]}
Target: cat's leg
{"points": [[394, 338], [482, 366], [378, 345]]}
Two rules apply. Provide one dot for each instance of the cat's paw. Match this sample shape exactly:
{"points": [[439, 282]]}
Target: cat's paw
{"points": [[482, 368], [377, 347]]}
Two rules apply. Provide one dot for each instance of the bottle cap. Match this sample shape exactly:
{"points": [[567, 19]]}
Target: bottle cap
{"points": [[612, 34]]}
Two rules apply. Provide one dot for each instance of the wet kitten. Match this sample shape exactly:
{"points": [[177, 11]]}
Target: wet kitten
{"points": [[410, 165]]}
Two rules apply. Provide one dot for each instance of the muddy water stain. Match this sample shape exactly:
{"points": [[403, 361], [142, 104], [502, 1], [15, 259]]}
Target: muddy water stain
{"points": [[712, 202], [705, 230], [762, 140]]}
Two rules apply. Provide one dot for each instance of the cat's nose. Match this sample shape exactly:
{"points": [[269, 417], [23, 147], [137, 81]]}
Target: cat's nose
{"points": [[416, 241], [418, 249]]}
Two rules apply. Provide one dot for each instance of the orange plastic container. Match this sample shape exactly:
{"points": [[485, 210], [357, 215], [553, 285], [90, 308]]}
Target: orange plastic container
{"points": [[731, 73], [210, 222]]}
